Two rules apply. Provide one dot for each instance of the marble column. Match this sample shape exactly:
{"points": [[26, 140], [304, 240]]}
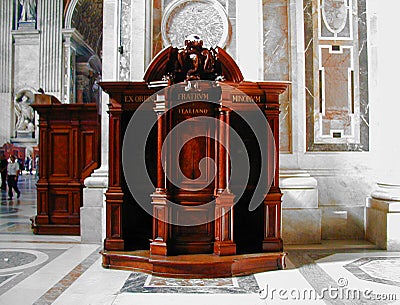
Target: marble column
{"points": [[73, 46], [138, 36], [6, 14], [249, 39], [383, 205], [93, 211]]}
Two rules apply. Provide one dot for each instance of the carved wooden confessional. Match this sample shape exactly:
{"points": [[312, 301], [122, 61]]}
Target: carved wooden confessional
{"points": [[226, 238]]}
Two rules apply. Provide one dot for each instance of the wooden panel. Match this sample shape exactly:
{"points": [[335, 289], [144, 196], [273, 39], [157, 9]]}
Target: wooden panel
{"points": [[59, 159], [89, 152], [60, 203]]}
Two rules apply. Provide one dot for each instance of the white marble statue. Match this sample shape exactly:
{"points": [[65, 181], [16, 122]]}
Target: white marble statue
{"points": [[25, 115], [28, 11]]}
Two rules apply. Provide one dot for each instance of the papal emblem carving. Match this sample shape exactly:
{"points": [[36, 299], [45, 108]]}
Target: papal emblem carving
{"points": [[193, 62]]}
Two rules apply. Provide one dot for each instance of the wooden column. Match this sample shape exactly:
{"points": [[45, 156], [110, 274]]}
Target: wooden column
{"points": [[43, 184], [223, 244], [158, 245], [272, 240], [114, 195]]}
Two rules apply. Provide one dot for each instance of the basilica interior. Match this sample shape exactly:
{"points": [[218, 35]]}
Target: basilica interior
{"points": [[74, 74]]}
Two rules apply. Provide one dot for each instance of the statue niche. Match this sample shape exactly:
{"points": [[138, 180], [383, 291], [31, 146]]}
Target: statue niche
{"points": [[25, 115]]}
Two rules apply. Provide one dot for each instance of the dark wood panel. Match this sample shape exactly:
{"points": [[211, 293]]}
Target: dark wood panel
{"points": [[60, 141]]}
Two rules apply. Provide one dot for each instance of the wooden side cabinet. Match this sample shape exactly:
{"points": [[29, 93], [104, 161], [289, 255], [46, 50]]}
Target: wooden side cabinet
{"points": [[69, 136]]}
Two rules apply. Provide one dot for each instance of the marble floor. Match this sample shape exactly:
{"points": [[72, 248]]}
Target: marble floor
{"points": [[62, 270]]}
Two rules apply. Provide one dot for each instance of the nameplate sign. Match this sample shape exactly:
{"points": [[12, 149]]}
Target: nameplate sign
{"points": [[193, 96], [193, 111], [243, 98], [197, 93], [137, 98]]}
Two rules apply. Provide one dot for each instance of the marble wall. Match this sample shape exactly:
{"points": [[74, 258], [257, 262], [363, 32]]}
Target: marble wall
{"points": [[344, 173], [276, 60], [26, 63]]}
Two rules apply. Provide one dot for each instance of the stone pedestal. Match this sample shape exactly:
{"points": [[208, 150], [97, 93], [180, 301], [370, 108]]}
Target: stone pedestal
{"points": [[301, 217], [383, 217], [92, 213], [27, 142], [27, 25]]}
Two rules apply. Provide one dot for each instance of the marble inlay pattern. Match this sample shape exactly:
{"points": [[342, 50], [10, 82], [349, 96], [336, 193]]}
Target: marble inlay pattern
{"points": [[54, 292], [8, 210], [4, 278], [156, 281], [144, 283], [305, 262], [336, 95], [15, 228], [14, 271], [335, 19], [11, 260], [385, 270]]}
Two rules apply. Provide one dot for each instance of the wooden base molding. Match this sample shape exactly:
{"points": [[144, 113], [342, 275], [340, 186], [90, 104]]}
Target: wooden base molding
{"points": [[194, 265]]}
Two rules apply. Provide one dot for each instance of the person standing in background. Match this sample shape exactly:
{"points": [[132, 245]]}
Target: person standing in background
{"points": [[3, 170], [37, 167], [26, 164], [20, 162], [30, 165], [12, 177]]}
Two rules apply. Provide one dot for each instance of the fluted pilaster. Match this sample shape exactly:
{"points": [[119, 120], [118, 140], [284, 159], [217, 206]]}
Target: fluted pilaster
{"points": [[6, 13], [50, 46]]}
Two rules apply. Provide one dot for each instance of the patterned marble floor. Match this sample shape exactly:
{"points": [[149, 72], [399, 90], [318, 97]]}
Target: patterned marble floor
{"points": [[62, 270]]}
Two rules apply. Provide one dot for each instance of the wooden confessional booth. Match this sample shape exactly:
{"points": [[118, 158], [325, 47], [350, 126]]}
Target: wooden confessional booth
{"points": [[231, 240], [69, 151]]}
